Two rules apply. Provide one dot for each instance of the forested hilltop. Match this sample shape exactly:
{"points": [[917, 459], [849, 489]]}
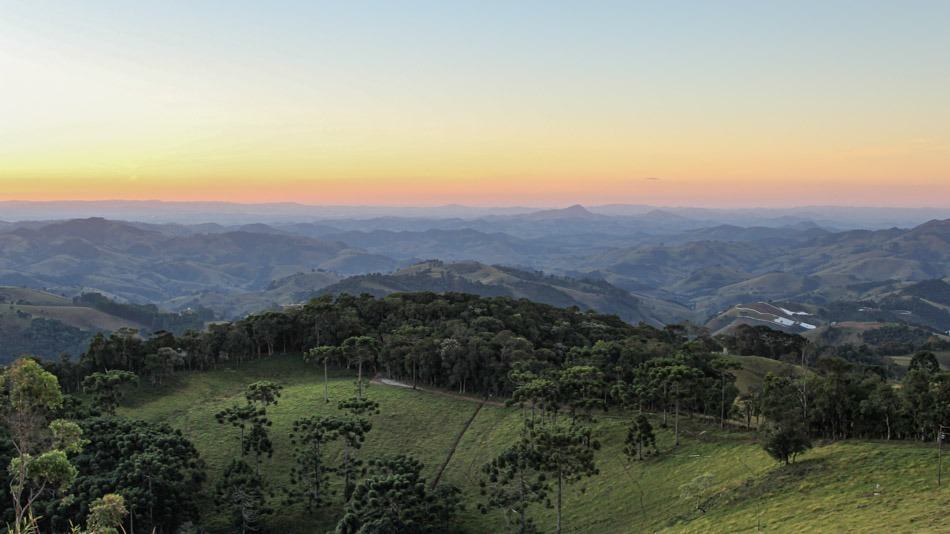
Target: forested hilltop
{"points": [[317, 448]]}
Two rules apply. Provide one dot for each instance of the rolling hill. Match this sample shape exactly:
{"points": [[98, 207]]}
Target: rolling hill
{"points": [[141, 264], [293, 289], [492, 280], [46, 325], [860, 486]]}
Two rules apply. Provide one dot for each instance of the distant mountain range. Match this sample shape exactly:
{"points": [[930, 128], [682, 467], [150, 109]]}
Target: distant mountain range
{"points": [[643, 264], [139, 264], [840, 217]]}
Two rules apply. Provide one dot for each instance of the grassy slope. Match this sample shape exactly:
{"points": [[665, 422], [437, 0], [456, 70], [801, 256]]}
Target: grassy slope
{"points": [[623, 498], [47, 305], [32, 296], [942, 357], [754, 369]]}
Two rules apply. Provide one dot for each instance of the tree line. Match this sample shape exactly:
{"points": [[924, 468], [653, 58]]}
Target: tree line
{"points": [[560, 367]]}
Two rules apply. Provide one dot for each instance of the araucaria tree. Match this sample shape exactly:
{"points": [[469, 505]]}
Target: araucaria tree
{"points": [[252, 420], [677, 378], [512, 482], [310, 475], [566, 453], [241, 492], [263, 393], [394, 499], [640, 438], [352, 431]]}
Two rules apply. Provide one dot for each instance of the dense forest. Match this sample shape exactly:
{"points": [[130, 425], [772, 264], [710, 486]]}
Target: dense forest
{"points": [[74, 462]]}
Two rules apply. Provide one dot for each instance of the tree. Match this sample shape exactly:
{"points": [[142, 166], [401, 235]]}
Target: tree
{"points": [[357, 407], [566, 453], [104, 388], [582, 387], [323, 355], [309, 477], [352, 431], [784, 441], [240, 491], [263, 393], [925, 361], [394, 500], [258, 441], [678, 377], [360, 350], [512, 483], [882, 404], [723, 366], [640, 436], [537, 392], [240, 417], [40, 463], [155, 469], [106, 515]]}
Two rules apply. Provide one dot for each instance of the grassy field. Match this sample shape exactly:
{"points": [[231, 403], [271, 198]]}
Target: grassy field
{"points": [[850, 486], [38, 304], [943, 357], [754, 369], [33, 297]]}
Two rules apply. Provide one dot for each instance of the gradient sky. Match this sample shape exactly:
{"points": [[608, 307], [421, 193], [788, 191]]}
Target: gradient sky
{"points": [[484, 103]]}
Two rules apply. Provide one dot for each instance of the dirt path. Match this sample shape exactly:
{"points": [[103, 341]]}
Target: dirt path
{"points": [[458, 439]]}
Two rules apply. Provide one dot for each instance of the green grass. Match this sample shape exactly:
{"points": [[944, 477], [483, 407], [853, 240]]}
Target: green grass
{"points": [[34, 297], [754, 369], [831, 488]]}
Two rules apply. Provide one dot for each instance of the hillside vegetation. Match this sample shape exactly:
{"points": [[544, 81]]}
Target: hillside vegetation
{"points": [[497, 281], [44, 324], [857, 486]]}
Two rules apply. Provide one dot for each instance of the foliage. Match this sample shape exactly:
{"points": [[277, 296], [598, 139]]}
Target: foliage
{"points": [[310, 475], [154, 468], [105, 388], [241, 492], [106, 514], [640, 438], [512, 482], [394, 500], [785, 441]]}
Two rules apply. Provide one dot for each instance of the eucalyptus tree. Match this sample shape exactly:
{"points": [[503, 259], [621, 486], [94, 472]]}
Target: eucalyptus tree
{"points": [[722, 365], [323, 355], [360, 350], [40, 464]]}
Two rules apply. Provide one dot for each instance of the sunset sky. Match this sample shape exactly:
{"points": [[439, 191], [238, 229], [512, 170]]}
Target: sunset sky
{"points": [[703, 103]]}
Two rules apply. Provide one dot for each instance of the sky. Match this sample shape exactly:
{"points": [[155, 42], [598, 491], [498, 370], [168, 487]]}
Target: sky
{"points": [[706, 103]]}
